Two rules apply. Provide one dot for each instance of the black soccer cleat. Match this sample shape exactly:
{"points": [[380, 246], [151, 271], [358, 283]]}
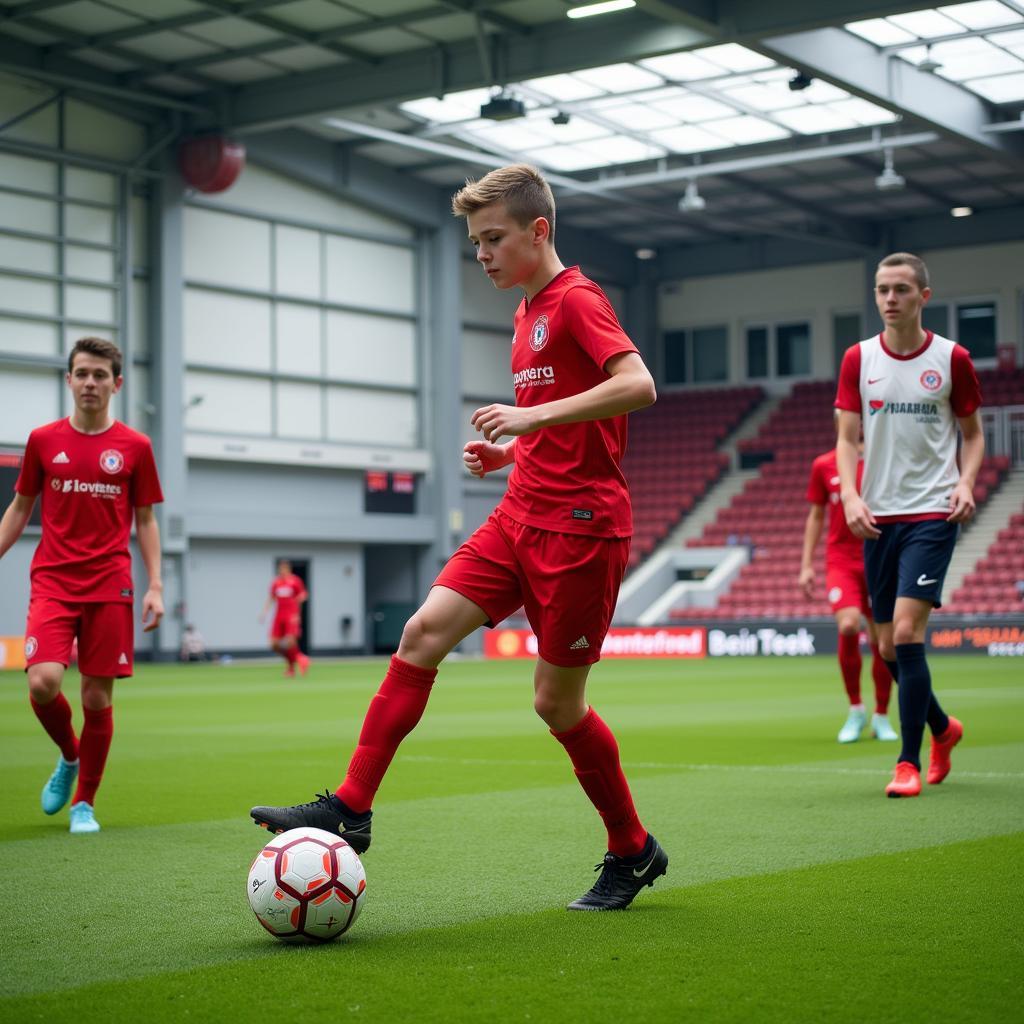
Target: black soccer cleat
{"points": [[326, 812], [621, 879]]}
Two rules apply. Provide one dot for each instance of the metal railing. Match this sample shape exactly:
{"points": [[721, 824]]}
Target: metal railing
{"points": [[1004, 432]]}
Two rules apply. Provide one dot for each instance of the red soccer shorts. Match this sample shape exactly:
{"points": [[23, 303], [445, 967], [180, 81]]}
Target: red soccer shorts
{"points": [[568, 583], [105, 631], [286, 625], [847, 587]]}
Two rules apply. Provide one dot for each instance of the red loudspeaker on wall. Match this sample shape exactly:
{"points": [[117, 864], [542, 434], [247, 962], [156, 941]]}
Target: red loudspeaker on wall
{"points": [[210, 163]]}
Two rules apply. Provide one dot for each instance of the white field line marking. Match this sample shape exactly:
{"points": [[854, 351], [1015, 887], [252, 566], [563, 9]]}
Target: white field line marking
{"points": [[782, 769]]}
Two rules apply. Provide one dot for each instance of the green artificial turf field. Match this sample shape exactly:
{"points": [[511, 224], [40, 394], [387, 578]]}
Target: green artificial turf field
{"points": [[796, 891]]}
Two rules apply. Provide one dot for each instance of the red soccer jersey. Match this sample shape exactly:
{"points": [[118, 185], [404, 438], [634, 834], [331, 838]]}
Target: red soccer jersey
{"points": [[842, 548], [567, 478], [287, 591], [91, 485]]}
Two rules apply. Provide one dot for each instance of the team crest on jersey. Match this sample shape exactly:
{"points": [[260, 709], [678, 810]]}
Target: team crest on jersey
{"points": [[539, 333], [31, 646], [835, 594], [55, 483], [931, 380], [111, 461]]}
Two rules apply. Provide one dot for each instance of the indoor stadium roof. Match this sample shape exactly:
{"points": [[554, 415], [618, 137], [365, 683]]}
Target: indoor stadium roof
{"points": [[674, 122]]}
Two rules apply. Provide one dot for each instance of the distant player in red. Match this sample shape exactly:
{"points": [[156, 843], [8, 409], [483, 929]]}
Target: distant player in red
{"points": [[557, 543], [847, 592], [93, 474], [289, 592]]}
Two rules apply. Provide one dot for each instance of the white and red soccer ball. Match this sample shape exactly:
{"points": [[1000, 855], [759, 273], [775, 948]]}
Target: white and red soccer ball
{"points": [[307, 885]]}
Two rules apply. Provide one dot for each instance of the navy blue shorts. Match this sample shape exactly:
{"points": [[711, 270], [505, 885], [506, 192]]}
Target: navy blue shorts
{"points": [[908, 560]]}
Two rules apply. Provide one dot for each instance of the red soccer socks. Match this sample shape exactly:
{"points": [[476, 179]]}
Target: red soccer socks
{"points": [[850, 664], [392, 715], [594, 753], [93, 748], [883, 679], [55, 718]]}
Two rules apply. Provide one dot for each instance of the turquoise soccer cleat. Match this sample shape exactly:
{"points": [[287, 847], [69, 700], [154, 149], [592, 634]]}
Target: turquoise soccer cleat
{"points": [[82, 819], [882, 729], [58, 786], [854, 725]]}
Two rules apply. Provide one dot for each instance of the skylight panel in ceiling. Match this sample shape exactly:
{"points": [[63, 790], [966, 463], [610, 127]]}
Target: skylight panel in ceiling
{"points": [[864, 112], [746, 130], [880, 32], [734, 57], [618, 78], [579, 129], [620, 149], [514, 135], [560, 158], [763, 96], [982, 63], [926, 24], [683, 67], [1000, 89], [693, 109], [687, 139], [981, 14], [456, 106], [565, 88], [813, 120], [638, 117]]}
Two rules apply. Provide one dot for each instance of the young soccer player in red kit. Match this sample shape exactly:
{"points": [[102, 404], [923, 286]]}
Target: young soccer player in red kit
{"points": [[557, 543], [847, 592], [289, 592], [93, 474]]}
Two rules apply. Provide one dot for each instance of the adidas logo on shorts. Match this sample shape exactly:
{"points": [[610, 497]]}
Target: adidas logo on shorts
{"points": [[579, 645]]}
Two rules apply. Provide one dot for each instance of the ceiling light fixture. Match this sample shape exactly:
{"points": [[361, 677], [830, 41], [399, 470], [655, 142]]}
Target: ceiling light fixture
{"points": [[692, 201], [562, 117], [503, 106], [646, 254], [961, 211], [589, 10], [929, 64], [799, 82], [889, 180]]}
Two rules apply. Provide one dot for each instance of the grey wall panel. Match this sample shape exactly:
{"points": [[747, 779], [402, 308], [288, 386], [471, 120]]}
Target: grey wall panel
{"points": [[15, 589], [228, 584]]}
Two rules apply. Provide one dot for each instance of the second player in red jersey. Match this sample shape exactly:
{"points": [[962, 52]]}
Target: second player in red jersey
{"points": [[557, 543], [289, 593], [92, 475], [847, 593]]}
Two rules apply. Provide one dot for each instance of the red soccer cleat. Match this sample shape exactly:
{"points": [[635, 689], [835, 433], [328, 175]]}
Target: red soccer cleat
{"points": [[906, 781], [289, 672], [303, 661], [942, 747]]}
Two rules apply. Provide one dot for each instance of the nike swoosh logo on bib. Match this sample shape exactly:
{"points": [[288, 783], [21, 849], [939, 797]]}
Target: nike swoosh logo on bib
{"points": [[922, 582]]}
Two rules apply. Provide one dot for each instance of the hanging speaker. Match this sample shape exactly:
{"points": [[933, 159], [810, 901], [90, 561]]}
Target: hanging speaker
{"points": [[210, 163]]}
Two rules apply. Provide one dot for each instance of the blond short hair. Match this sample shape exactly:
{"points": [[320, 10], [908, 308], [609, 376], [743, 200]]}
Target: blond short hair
{"points": [[908, 259], [520, 187]]}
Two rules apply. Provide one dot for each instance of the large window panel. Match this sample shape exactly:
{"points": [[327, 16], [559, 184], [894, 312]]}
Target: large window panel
{"points": [[28, 337], [298, 340], [93, 264], [710, 354], [297, 261], [220, 403], [674, 356], [935, 318], [362, 417], [227, 330], [139, 231], [757, 352], [486, 363], [976, 329], [38, 403], [221, 248], [22, 213], [84, 303], [299, 408], [28, 254], [361, 273], [19, 295], [89, 224], [80, 183], [26, 172], [482, 303], [846, 331], [371, 349], [72, 332], [793, 349]]}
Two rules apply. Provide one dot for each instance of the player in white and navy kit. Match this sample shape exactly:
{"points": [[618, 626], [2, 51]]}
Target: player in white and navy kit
{"points": [[912, 389]]}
